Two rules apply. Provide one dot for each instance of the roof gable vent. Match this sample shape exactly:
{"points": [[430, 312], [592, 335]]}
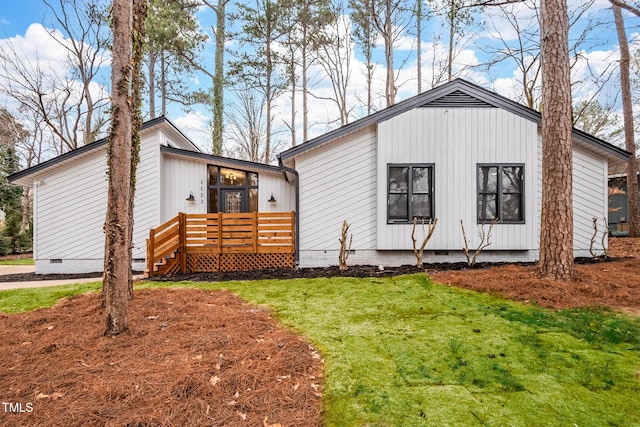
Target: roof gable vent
{"points": [[458, 99]]}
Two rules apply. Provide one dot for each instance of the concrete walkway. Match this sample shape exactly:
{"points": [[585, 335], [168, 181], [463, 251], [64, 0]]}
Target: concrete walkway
{"points": [[45, 283], [18, 269]]}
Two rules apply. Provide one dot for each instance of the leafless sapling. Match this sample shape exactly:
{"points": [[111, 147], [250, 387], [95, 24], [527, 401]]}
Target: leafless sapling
{"points": [[344, 248], [485, 240], [419, 251], [602, 239]]}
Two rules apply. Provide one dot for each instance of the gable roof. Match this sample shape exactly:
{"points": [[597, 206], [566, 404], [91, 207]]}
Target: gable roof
{"points": [[455, 94], [21, 177]]}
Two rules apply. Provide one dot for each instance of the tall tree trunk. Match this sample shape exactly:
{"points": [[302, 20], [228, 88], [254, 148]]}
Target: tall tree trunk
{"points": [[293, 99], [163, 84], [452, 18], [388, 53], [556, 225], [152, 85], [629, 138], [419, 42], [305, 88], [127, 26], [218, 79], [87, 133]]}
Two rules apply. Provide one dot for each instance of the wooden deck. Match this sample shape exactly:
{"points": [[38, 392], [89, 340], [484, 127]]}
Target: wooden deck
{"points": [[192, 243]]}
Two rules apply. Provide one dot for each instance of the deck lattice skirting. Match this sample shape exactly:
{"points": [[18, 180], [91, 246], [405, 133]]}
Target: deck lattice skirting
{"points": [[191, 243]]}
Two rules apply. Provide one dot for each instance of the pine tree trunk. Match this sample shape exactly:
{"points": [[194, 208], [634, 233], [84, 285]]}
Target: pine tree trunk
{"points": [[218, 79], [127, 26], [629, 138], [305, 88], [556, 225], [419, 43], [388, 53], [163, 84], [152, 86], [117, 263]]}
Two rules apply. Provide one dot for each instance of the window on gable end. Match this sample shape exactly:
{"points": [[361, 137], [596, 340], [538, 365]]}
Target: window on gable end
{"points": [[500, 193], [409, 192]]}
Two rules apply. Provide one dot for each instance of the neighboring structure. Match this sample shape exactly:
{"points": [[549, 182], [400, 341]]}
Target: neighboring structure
{"points": [[70, 195], [457, 152], [619, 204]]}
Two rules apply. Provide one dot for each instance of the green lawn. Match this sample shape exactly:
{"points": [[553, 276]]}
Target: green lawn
{"points": [[19, 261], [407, 352]]}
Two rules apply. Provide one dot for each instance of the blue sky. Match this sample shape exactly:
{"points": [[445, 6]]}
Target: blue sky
{"points": [[16, 16], [600, 53]]}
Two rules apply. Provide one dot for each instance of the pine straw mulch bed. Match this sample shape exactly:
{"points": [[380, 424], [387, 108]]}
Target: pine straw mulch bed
{"points": [[613, 283], [191, 358]]}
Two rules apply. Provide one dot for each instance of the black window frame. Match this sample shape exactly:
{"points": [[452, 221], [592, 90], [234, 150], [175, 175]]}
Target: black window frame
{"points": [[410, 192], [500, 194]]}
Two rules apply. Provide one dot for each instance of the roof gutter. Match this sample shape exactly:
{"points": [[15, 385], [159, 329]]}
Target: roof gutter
{"points": [[297, 211]]}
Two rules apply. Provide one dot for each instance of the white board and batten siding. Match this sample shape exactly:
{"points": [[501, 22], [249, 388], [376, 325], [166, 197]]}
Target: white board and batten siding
{"points": [[455, 141], [283, 192], [183, 176], [338, 183]]}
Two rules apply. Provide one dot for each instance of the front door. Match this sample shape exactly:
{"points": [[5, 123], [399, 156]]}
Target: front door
{"points": [[234, 201]]}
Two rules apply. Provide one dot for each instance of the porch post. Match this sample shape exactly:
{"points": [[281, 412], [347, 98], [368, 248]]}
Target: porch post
{"points": [[255, 232], [182, 241], [150, 251]]}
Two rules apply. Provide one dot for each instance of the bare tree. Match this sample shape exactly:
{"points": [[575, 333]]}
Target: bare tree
{"points": [[523, 49], [633, 8], [629, 134], [334, 56], [419, 17], [390, 19], [556, 225], [246, 128], [128, 30], [364, 35], [263, 28], [598, 120], [85, 25], [64, 98]]}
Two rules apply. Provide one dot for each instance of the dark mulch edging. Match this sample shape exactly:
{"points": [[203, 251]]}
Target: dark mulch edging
{"points": [[296, 273]]}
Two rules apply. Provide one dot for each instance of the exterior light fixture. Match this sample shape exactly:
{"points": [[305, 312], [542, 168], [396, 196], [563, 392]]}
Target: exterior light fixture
{"points": [[191, 198], [272, 199]]}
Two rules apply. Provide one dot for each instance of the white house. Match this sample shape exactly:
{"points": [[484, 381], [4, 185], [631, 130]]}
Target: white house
{"points": [[457, 152], [173, 176]]}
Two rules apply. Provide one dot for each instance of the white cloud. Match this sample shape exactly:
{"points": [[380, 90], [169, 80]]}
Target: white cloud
{"points": [[197, 127]]}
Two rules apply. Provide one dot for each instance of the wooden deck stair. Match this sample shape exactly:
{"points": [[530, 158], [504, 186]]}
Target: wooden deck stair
{"points": [[221, 242], [168, 265]]}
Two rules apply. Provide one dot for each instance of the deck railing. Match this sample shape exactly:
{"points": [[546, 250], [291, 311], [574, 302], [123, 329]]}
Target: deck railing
{"points": [[221, 242]]}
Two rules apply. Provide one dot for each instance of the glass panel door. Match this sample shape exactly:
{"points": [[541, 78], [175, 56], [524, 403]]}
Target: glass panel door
{"points": [[234, 201]]}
